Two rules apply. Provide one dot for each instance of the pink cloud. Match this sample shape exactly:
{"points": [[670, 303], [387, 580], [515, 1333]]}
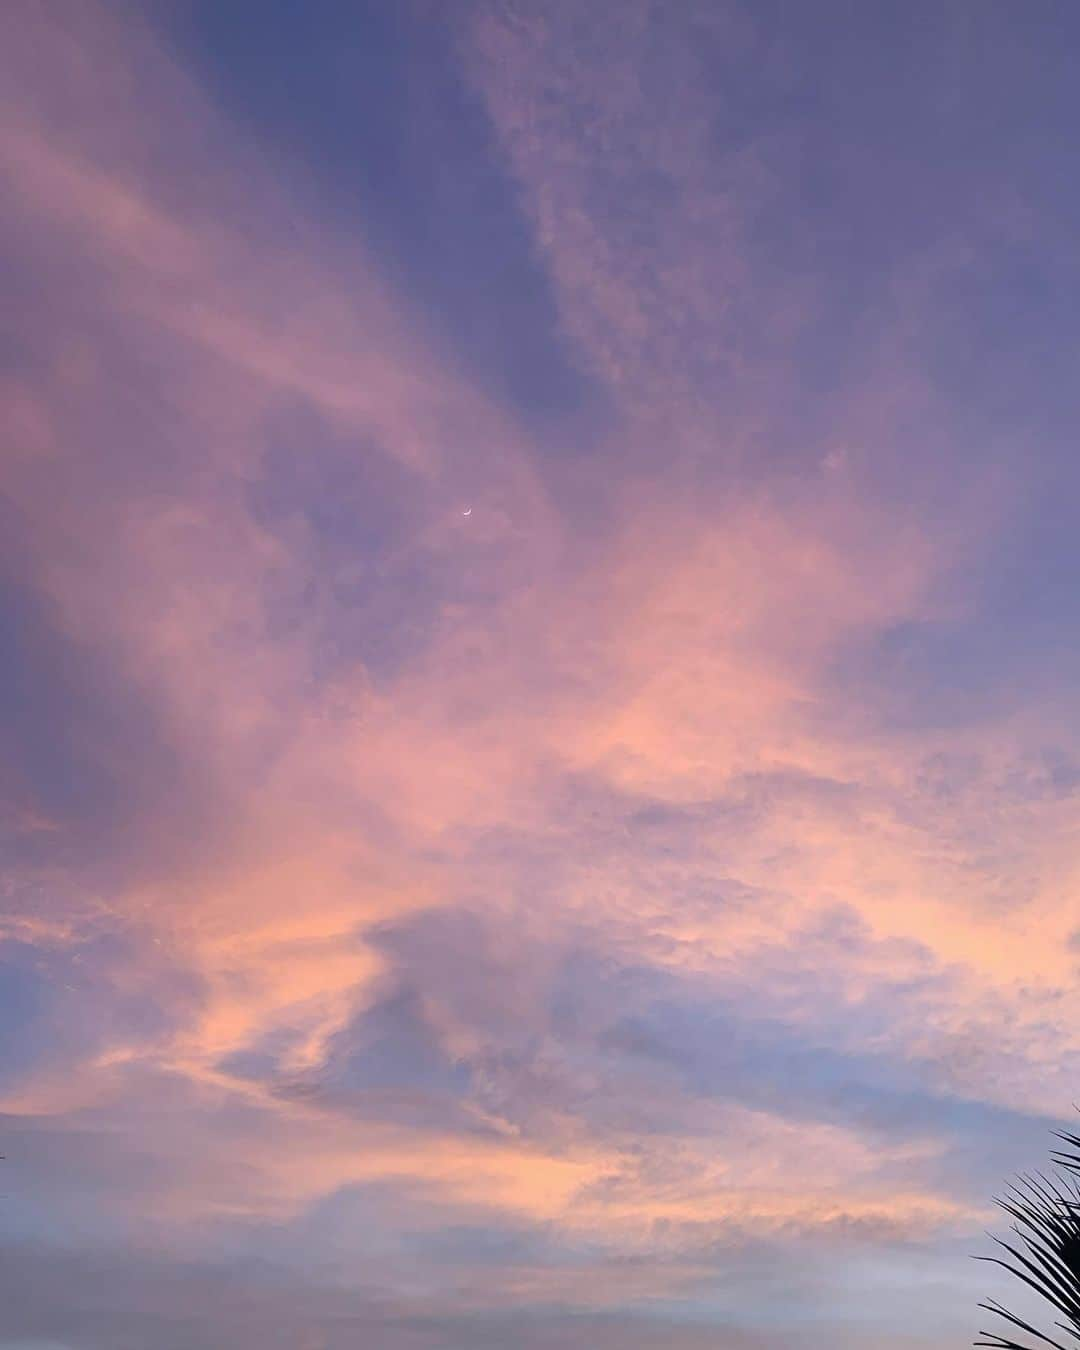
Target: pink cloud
{"points": [[632, 747]]}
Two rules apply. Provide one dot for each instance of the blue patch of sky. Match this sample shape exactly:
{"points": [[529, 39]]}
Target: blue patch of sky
{"points": [[370, 102], [85, 749]]}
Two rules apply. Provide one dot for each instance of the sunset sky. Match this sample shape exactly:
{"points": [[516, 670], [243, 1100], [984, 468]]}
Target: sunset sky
{"points": [[540, 682]]}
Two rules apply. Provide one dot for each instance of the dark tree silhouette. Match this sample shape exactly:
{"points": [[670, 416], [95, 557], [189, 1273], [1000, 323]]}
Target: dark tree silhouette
{"points": [[1044, 1251]]}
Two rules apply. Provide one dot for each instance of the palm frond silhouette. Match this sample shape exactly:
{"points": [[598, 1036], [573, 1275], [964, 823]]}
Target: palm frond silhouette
{"points": [[1044, 1251]]}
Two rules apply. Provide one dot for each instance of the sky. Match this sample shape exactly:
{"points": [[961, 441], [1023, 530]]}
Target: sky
{"points": [[540, 678]]}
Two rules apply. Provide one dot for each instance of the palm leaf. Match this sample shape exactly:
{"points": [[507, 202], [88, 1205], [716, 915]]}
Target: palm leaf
{"points": [[1044, 1253]]}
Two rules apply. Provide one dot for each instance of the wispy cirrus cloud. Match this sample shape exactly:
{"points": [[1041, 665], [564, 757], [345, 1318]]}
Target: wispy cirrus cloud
{"points": [[562, 917]]}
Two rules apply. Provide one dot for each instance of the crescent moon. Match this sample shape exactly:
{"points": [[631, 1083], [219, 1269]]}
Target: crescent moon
{"points": [[468, 512]]}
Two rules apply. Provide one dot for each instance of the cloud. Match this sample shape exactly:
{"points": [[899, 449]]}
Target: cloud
{"points": [[191, 1305], [637, 885]]}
